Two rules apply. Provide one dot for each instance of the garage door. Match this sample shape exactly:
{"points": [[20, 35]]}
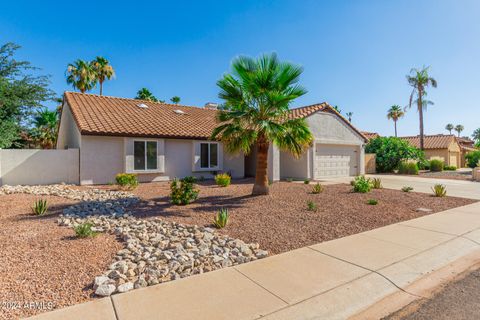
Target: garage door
{"points": [[335, 161]]}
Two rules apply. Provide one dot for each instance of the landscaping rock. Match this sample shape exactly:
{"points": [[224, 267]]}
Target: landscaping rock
{"points": [[105, 290], [426, 210], [125, 287]]}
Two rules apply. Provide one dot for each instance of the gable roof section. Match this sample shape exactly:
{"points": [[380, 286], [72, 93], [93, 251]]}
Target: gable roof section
{"points": [[370, 135], [437, 141], [111, 116]]}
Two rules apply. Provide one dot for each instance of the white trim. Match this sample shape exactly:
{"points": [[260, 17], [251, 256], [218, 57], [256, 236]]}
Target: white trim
{"points": [[145, 151]]}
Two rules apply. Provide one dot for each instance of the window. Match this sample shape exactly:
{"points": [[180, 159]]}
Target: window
{"points": [[145, 155], [208, 155]]}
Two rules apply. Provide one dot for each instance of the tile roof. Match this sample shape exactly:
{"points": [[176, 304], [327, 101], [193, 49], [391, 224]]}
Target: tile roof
{"points": [[370, 135], [437, 141], [112, 116]]}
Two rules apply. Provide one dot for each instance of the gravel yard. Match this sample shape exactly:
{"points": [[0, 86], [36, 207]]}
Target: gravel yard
{"points": [[454, 175]]}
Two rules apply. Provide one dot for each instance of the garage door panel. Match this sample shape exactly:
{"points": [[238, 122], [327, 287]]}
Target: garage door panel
{"points": [[335, 161]]}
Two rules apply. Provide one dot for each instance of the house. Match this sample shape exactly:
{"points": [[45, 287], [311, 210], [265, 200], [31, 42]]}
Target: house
{"points": [[370, 135], [466, 145], [439, 146], [161, 141]]}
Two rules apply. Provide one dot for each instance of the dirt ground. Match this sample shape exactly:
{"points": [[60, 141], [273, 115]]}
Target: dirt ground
{"points": [[43, 263], [458, 300], [454, 175], [280, 221]]}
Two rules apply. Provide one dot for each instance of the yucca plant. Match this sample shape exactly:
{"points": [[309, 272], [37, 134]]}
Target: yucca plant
{"points": [[439, 190], [407, 189], [317, 188], [377, 183], [40, 207], [84, 230], [221, 219]]}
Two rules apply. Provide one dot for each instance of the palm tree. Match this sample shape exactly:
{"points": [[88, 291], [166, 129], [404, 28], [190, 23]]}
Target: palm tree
{"points": [[349, 116], [476, 135], [459, 128], [145, 94], [257, 97], [337, 109], [81, 75], [449, 127], [420, 80], [44, 133], [175, 99], [395, 113], [103, 71]]}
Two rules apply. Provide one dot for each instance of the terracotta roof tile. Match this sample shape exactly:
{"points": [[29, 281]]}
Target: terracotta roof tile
{"points": [[438, 141], [370, 135]]}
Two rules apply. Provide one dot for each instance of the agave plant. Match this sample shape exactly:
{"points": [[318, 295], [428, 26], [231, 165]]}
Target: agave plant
{"points": [[317, 188], [40, 207], [439, 190], [221, 219]]}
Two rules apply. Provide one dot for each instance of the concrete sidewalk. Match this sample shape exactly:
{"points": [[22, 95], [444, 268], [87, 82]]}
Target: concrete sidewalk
{"points": [[331, 280]]}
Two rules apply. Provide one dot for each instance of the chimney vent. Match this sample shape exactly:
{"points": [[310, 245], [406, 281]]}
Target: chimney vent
{"points": [[211, 105]]}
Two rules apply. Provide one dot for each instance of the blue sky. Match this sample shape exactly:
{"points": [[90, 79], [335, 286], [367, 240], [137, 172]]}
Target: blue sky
{"points": [[355, 53]]}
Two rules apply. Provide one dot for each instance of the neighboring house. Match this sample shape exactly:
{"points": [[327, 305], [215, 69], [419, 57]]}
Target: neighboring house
{"points": [[439, 146], [370, 135], [161, 141], [466, 146]]}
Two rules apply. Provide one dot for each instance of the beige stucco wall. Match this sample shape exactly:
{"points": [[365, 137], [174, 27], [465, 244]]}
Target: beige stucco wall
{"points": [[68, 133], [450, 157], [291, 167], [33, 166], [328, 128]]}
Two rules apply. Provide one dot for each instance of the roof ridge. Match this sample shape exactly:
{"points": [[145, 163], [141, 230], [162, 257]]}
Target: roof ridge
{"points": [[430, 135]]}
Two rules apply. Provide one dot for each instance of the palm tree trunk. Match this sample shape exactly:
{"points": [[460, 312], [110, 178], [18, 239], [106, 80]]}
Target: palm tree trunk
{"points": [[101, 87], [420, 115], [261, 176], [395, 122]]}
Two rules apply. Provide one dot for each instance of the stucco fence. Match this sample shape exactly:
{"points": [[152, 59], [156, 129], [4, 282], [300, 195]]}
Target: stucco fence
{"points": [[32, 166]]}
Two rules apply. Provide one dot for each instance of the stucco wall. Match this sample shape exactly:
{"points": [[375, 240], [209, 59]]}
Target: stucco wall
{"points": [[33, 166], [234, 164], [328, 128], [68, 133], [291, 167]]}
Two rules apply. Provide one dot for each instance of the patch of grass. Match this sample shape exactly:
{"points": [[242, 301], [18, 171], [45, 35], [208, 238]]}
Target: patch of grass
{"points": [[407, 189], [311, 206], [223, 179], [126, 181], [40, 207], [317, 188], [450, 168], [362, 184], [372, 202], [84, 230], [377, 183], [408, 168], [221, 218], [439, 190], [436, 165]]}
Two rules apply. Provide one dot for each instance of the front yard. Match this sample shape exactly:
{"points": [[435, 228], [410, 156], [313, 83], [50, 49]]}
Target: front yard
{"points": [[146, 240]]}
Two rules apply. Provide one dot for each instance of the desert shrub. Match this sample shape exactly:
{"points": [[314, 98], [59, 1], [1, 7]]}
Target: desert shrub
{"points": [[182, 192], [423, 164], [450, 168], [439, 190], [289, 179], [223, 179], [306, 181], [436, 165], [221, 219], [376, 183], [362, 184], [407, 168], [40, 207], [407, 189], [390, 151], [372, 202], [127, 180], [317, 188], [190, 179], [473, 159], [84, 230], [311, 206]]}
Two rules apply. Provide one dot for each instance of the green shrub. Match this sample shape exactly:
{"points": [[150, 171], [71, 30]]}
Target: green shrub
{"points": [[84, 230], [407, 189], [407, 168], [436, 165], [390, 151], [372, 202], [127, 181], [306, 181], [223, 179], [439, 190], [40, 207], [182, 192], [317, 188], [221, 219], [473, 159], [289, 179], [311, 206], [190, 179], [450, 168], [376, 183], [423, 164], [362, 184]]}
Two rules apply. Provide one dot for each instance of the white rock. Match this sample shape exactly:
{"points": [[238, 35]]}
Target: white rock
{"points": [[125, 287], [105, 290]]}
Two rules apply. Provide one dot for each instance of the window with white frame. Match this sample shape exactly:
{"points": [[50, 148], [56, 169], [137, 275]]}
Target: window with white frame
{"points": [[145, 155], [208, 155]]}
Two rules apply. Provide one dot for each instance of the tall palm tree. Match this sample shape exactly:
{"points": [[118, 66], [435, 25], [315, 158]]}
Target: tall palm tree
{"points": [[44, 133], [175, 99], [449, 127], [145, 94], [257, 95], [103, 71], [476, 135], [459, 128], [419, 79], [349, 116], [81, 75], [395, 113], [337, 109]]}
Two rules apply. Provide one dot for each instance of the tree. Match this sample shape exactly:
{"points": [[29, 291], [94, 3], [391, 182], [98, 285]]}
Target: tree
{"points": [[81, 75], [175, 99], [459, 128], [476, 135], [449, 127], [22, 92], [349, 116], [145, 94], [103, 71], [337, 109], [45, 130], [420, 80], [257, 95], [395, 113]]}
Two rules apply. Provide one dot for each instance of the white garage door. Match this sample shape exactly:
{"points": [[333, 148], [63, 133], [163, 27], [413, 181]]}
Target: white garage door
{"points": [[335, 161]]}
